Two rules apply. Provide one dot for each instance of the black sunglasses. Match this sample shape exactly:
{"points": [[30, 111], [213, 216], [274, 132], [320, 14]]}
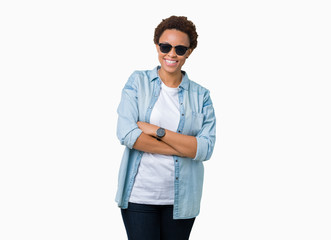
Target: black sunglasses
{"points": [[166, 47]]}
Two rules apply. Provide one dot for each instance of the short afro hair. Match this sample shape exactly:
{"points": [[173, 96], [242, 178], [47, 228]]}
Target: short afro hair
{"points": [[179, 23]]}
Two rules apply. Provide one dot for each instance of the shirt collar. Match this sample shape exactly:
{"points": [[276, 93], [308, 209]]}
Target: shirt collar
{"points": [[185, 80], [154, 73]]}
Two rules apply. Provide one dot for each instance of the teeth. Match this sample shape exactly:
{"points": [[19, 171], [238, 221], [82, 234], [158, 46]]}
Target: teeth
{"points": [[168, 61]]}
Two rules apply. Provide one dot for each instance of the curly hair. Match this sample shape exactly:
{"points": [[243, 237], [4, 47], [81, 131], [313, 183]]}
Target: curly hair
{"points": [[179, 23]]}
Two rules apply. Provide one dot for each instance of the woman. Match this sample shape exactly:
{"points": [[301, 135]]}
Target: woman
{"points": [[167, 124]]}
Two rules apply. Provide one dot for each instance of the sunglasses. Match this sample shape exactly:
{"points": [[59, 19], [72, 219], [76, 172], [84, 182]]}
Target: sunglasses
{"points": [[166, 47]]}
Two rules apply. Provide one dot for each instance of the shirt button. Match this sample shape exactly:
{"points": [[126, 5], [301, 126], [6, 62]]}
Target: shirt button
{"points": [[176, 160], [176, 178], [179, 131], [182, 114]]}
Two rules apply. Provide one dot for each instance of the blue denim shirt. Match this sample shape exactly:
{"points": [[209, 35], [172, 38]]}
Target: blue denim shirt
{"points": [[197, 118]]}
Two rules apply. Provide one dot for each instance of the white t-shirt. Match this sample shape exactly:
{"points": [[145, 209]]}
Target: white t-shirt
{"points": [[154, 182]]}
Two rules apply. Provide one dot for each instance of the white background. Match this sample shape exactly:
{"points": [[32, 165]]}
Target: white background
{"points": [[63, 65]]}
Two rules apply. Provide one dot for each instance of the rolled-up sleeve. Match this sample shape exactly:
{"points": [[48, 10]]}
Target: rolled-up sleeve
{"points": [[207, 135], [127, 128]]}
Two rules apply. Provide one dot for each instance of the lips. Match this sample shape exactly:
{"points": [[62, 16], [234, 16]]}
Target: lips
{"points": [[170, 62]]}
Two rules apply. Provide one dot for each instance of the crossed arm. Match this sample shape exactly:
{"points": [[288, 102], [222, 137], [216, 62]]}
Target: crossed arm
{"points": [[199, 147], [172, 143]]}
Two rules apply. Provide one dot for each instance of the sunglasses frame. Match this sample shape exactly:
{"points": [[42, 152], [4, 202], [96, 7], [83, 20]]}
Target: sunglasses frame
{"points": [[176, 48]]}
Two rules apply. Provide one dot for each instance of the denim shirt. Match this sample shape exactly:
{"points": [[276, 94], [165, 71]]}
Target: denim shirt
{"points": [[197, 118]]}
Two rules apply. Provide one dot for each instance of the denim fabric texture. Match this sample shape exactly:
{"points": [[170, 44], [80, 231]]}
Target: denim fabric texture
{"points": [[154, 222], [197, 118]]}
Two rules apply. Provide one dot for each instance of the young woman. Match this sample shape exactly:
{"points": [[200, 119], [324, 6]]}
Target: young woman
{"points": [[167, 123]]}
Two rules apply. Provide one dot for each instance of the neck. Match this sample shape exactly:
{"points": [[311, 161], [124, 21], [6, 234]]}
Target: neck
{"points": [[170, 79]]}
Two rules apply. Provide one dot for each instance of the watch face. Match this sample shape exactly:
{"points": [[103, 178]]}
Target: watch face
{"points": [[160, 132]]}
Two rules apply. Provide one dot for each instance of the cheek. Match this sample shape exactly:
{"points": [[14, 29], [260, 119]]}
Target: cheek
{"points": [[160, 58], [182, 61], [160, 55]]}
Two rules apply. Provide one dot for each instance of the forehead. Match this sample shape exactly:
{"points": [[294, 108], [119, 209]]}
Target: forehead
{"points": [[175, 37]]}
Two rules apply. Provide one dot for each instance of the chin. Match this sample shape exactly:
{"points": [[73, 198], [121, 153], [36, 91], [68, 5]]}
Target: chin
{"points": [[170, 69]]}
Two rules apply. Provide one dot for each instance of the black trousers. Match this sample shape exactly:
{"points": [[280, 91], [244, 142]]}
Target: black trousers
{"points": [[154, 222]]}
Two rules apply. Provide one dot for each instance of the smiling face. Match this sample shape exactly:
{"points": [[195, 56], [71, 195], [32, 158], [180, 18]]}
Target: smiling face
{"points": [[171, 63]]}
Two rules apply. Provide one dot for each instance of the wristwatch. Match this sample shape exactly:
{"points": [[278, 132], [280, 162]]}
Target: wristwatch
{"points": [[160, 133]]}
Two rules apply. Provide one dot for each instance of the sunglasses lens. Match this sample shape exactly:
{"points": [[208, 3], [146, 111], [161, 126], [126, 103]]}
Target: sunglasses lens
{"points": [[165, 48], [180, 50]]}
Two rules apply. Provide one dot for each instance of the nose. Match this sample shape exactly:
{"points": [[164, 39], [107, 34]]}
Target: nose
{"points": [[172, 52]]}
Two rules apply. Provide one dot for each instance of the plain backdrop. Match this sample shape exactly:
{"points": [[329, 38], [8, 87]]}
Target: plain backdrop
{"points": [[63, 65]]}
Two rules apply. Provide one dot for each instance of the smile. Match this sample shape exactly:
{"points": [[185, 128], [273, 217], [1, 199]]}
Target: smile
{"points": [[170, 62]]}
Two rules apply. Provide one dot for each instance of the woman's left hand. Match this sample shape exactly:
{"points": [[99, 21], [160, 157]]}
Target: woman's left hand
{"points": [[148, 128]]}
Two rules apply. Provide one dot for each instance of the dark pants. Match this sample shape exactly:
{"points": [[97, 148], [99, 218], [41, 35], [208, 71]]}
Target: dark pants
{"points": [[154, 222]]}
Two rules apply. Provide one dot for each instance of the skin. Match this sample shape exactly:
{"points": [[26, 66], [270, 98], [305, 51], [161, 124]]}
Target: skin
{"points": [[172, 143], [171, 73]]}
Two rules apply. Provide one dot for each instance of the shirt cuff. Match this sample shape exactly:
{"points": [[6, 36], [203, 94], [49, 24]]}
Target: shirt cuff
{"points": [[132, 137], [202, 147]]}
